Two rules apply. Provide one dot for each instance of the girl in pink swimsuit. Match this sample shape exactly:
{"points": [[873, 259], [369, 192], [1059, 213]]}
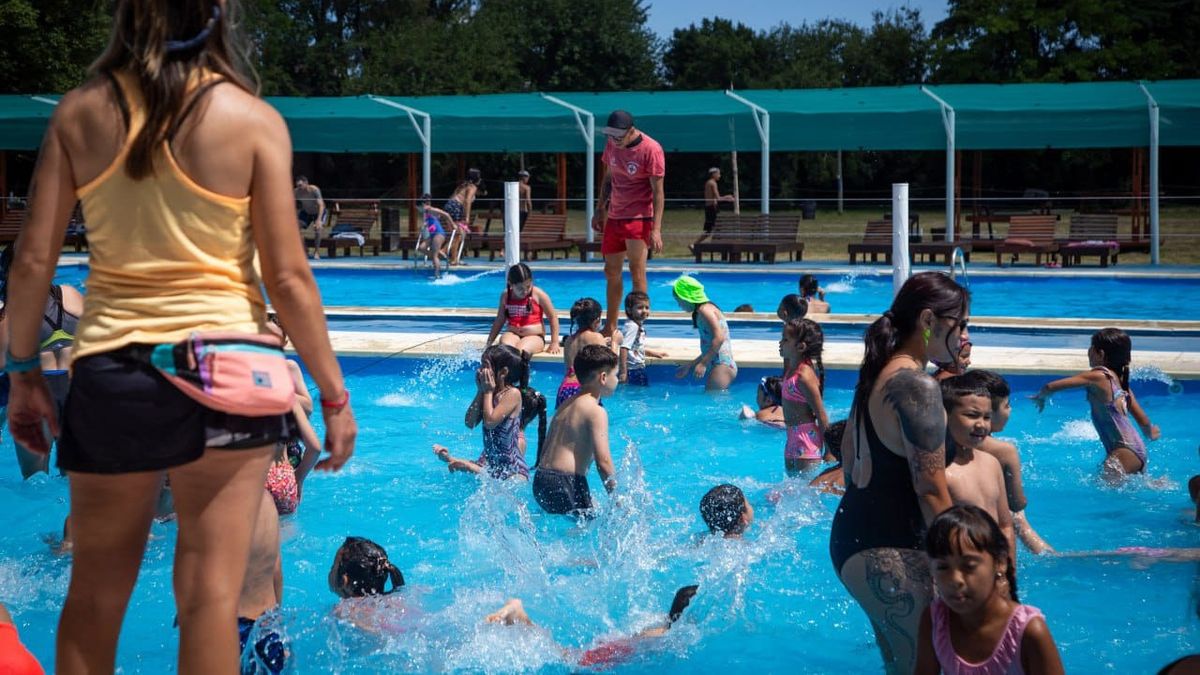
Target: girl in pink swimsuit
{"points": [[976, 626], [803, 409]]}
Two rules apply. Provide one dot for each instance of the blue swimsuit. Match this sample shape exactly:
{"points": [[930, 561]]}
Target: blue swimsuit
{"points": [[725, 353], [502, 455]]}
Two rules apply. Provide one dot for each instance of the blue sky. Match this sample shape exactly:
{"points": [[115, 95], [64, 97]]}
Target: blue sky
{"points": [[667, 15]]}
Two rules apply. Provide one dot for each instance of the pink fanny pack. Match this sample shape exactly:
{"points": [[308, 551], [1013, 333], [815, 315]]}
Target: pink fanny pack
{"points": [[236, 373]]}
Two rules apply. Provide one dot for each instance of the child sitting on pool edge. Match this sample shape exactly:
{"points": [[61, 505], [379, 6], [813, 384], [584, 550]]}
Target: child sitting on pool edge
{"points": [[525, 306], [578, 437], [502, 389], [633, 341]]}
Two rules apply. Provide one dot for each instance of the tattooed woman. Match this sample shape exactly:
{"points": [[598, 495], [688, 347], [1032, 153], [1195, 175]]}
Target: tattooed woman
{"points": [[894, 461]]}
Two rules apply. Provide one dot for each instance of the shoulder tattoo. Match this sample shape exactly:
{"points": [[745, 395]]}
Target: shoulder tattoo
{"points": [[917, 400]]}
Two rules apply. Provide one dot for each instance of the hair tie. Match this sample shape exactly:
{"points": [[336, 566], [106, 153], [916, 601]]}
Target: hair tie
{"points": [[200, 38]]}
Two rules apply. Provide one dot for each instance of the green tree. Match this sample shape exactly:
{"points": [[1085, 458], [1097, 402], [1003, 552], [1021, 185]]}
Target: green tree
{"points": [[47, 45], [715, 55]]}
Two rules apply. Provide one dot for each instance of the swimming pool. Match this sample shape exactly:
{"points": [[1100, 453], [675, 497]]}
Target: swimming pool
{"points": [[769, 604], [861, 292]]}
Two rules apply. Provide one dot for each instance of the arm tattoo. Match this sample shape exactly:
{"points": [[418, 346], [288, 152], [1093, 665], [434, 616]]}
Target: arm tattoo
{"points": [[605, 190], [917, 400]]}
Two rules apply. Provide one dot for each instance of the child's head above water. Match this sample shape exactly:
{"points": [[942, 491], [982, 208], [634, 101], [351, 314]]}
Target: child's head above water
{"points": [[808, 286], [792, 306], [770, 391], [725, 509], [520, 280], [997, 389], [596, 365], [833, 439], [510, 365], [969, 557], [637, 306], [968, 411], [361, 568], [585, 314], [1112, 348]]}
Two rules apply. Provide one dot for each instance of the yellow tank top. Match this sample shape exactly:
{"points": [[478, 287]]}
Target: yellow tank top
{"points": [[167, 256]]}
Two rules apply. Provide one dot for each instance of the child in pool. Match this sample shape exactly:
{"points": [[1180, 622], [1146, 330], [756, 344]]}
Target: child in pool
{"points": [[359, 576], [533, 406], [803, 408], [812, 292], [585, 330], [716, 349], [1112, 403], [972, 476], [976, 624], [502, 377], [768, 396], [294, 461], [605, 654], [633, 340], [832, 480], [578, 437], [262, 592], [1005, 452], [1194, 493], [725, 509], [792, 306], [525, 306], [435, 234]]}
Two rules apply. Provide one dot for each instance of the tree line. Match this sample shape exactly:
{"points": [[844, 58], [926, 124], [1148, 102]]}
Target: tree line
{"points": [[422, 47]]}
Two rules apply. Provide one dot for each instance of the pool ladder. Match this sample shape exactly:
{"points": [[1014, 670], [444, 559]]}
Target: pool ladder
{"points": [[957, 256]]}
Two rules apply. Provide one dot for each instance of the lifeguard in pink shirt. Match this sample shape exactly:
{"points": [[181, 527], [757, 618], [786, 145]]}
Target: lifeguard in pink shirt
{"points": [[629, 212]]}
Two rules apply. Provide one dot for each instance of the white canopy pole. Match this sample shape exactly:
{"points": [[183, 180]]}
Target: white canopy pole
{"points": [[424, 132], [1153, 174], [762, 122], [512, 223], [900, 260], [950, 124], [586, 122]]}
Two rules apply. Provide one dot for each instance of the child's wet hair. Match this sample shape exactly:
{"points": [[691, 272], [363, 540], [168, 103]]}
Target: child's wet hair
{"points": [[833, 439], [772, 387], [519, 274], [809, 332], [533, 404], [683, 598], [969, 523], [958, 387], [722, 508], [426, 199], [592, 360], [366, 568], [585, 313], [1117, 348], [993, 382], [793, 306], [808, 286], [633, 298], [515, 360]]}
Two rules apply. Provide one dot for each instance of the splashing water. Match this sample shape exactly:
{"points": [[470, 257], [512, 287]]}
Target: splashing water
{"points": [[1075, 430], [1155, 374], [846, 284], [451, 279]]}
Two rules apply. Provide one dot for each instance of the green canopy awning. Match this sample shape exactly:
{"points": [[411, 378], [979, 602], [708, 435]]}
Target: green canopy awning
{"points": [[23, 120]]}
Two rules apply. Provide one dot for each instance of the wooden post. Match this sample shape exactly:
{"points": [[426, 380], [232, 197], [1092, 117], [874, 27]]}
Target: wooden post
{"points": [[562, 183], [737, 194], [957, 192], [413, 195], [977, 194], [1137, 210]]}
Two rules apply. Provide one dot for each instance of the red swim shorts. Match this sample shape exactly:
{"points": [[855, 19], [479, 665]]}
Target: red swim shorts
{"points": [[618, 230]]}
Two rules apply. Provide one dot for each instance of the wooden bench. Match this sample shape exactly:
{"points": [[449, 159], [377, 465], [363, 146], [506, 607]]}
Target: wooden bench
{"points": [[930, 250], [727, 231], [772, 235], [544, 232], [10, 225], [876, 240], [361, 217], [1029, 234], [491, 237], [1090, 234]]}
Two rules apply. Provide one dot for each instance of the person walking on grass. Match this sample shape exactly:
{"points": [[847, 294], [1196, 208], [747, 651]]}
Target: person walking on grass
{"points": [[630, 209], [712, 203]]}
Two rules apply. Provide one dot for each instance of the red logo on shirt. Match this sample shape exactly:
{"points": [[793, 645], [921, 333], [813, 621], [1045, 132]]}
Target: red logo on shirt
{"points": [[631, 167]]}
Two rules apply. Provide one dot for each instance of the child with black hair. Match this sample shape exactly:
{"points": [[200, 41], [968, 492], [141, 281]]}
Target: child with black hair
{"points": [[972, 476], [803, 408], [725, 509], [633, 341], [435, 234], [1112, 403], [359, 576], [769, 399], [605, 654], [976, 624], [585, 330], [832, 480], [525, 307], [810, 289], [791, 306], [502, 387], [1005, 452], [578, 437]]}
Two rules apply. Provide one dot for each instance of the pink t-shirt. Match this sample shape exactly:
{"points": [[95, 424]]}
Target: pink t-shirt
{"points": [[631, 169]]}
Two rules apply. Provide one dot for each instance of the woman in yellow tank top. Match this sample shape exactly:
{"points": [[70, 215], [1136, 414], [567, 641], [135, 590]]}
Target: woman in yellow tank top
{"points": [[184, 175]]}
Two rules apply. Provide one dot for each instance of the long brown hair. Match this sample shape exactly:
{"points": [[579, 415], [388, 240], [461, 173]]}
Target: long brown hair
{"points": [[138, 46]]}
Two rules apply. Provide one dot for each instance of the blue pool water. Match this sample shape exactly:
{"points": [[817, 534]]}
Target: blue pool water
{"points": [[864, 292], [770, 603]]}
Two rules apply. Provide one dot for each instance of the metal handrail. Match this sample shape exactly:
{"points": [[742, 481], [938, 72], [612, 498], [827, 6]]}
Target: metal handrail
{"points": [[961, 258]]}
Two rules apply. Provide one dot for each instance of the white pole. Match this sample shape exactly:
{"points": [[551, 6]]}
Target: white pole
{"points": [[427, 159], [839, 180], [766, 162], [512, 223], [900, 260], [589, 207], [950, 144], [1153, 174]]}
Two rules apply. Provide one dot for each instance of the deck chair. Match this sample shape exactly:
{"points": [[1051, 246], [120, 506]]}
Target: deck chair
{"points": [[1029, 234], [1091, 234]]}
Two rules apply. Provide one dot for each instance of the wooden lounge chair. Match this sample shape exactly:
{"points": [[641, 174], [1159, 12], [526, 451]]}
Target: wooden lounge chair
{"points": [[1091, 234], [358, 217], [491, 237], [544, 232], [932, 249], [726, 232], [773, 235], [1029, 234], [876, 240]]}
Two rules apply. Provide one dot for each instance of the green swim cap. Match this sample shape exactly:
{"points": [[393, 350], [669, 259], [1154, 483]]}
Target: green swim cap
{"points": [[690, 290]]}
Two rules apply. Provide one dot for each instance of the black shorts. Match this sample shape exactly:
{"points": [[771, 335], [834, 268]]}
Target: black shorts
{"points": [[561, 493], [710, 217], [122, 416]]}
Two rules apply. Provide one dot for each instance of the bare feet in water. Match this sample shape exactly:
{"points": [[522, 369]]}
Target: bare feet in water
{"points": [[513, 612]]}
